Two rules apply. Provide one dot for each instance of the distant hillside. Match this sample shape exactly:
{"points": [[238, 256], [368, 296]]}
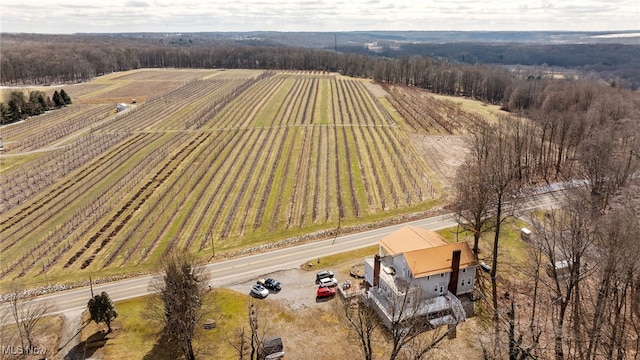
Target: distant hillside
{"points": [[45, 59], [328, 40], [612, 55]]}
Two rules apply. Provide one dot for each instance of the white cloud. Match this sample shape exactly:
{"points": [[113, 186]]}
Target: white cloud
{"points": [[67, 16]]}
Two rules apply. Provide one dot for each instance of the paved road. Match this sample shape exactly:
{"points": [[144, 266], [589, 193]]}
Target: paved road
{"points": [[229, 272]]}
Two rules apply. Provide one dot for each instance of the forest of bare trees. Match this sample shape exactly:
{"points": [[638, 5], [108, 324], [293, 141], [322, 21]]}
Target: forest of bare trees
{"points": [[579, 296]]}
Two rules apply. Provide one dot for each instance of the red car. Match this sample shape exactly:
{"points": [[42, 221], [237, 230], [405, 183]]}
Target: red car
{"points": [[326, 292]]}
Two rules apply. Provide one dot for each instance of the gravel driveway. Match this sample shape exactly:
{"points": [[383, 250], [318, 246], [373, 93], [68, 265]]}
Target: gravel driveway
{"points": [[298, 289]]}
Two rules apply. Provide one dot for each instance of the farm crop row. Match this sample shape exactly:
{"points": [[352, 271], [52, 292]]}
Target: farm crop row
{"points": [[50, 131], [424, 113], [220, 163], [92, 239], [66, 205], [35, 177], [36, 123], [29, 180]]}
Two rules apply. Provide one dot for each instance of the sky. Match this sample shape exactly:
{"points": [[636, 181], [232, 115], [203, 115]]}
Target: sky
{"points": [[113, 16]]}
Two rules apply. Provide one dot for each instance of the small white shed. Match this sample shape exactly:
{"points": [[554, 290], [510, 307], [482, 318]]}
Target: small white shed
{"points": [[121, 106]]}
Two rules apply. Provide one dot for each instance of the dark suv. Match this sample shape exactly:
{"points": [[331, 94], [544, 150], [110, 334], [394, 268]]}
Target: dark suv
{"points": [[270, 284], [323, 274]]}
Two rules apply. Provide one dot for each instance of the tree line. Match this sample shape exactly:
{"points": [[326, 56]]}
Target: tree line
{"points": [[19, 107], [47, 59], [610, 60]]}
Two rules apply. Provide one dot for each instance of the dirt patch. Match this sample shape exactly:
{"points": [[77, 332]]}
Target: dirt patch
{"points": [[315, 324], [375, 89], [443, 154], [70, 338]]}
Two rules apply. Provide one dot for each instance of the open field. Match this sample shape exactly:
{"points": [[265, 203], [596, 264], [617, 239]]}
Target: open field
{"points": [[208, 161]]}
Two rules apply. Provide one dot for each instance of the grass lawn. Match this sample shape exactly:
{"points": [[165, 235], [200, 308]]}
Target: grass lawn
{"points": [[134, 338]]}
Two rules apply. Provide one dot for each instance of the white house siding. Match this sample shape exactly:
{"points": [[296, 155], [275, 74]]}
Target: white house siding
{"points": [[466, 280], [434, 285], [368, 270], [431, 286]]}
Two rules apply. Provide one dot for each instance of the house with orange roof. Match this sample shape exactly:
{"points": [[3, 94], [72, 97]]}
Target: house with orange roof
{"points": [[417, 273]]}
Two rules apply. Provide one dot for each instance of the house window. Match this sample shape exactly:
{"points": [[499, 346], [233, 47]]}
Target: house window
{"points": [[469, 281], [441, 289], [436, 289], [442, 275], [428, 277], [464, 270]]}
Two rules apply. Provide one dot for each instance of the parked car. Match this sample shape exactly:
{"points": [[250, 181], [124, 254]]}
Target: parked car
{"points": [[259, 291], [326, 292], [485, 267], [328, 282], [270, 284], [323, 274]]}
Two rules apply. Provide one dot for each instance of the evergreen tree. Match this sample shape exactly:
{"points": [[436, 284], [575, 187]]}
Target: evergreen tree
{"points": [[6, 115], [17, 103], [57, 99], [102, 309], [65, 97], [37, 104]]}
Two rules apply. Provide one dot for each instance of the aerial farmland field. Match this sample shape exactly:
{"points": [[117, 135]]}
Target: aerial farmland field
{"points": [[209, 161]]}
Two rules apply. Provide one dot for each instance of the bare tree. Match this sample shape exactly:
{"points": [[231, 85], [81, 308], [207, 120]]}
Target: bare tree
{"points": [[517, 349], [422, 345], [26, 313], [497, 171], [609, 157], [473, 202], [363, 321], [183, 293], [410, 329], [606, 309], [563, 239], [251, 345], [239, 343], [256, 343]]}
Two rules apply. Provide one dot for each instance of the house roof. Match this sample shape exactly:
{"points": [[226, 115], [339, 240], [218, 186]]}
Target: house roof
{"points": [[409, 238], [437, 260], [426, 252]]}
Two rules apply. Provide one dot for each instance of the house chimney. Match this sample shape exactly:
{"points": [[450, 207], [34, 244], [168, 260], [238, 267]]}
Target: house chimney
{"points": [[376, 270], [455, 267]]}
